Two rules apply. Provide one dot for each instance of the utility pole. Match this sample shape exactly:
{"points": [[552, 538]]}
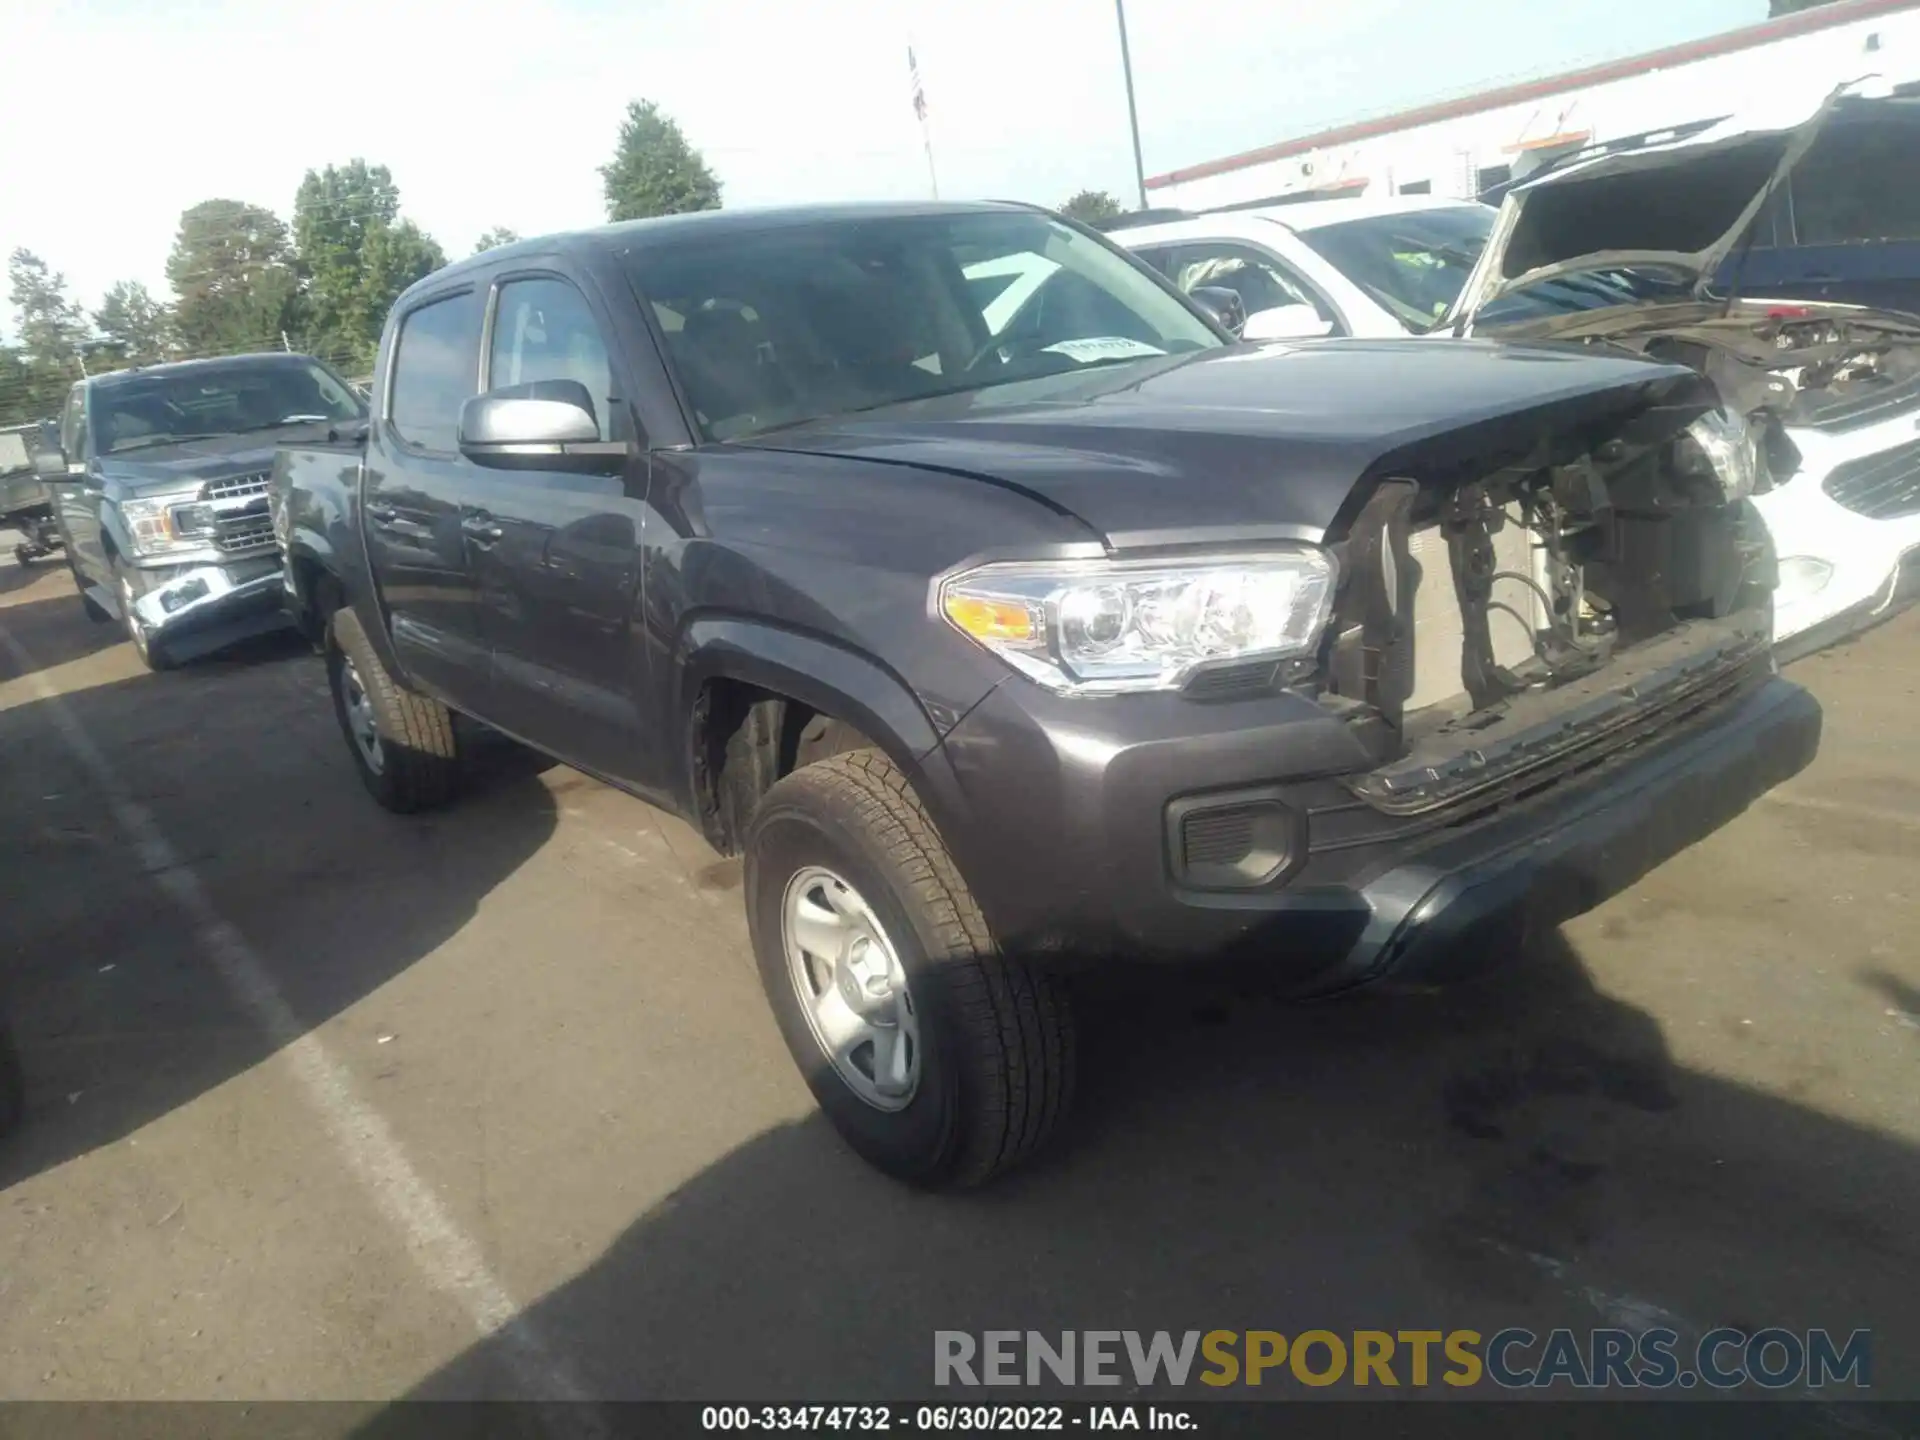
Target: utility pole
{"points": [[1133, 115]]}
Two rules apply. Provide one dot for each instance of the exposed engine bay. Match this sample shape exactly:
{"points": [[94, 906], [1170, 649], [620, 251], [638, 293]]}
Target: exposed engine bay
{"points": [[1473, 599], [1796, 363]]}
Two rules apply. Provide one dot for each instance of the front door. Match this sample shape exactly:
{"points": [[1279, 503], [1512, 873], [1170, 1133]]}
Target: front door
{"points": [[76, 497], [416, 487], [556, 553]]}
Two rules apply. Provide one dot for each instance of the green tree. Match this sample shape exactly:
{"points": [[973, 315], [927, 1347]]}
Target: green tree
{"points": [[135, 328], [49, 322], [355, 255], [232, 271], [51, 330], [335, 211], [494, 239], [1091, 205], [654, 171]]}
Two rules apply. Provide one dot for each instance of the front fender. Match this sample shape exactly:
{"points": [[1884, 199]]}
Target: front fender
{"points": [[829, 677], [834, 680]]}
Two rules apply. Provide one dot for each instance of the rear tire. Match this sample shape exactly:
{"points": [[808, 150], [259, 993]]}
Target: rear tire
{"points": [[403, 745], [990, 1040]]}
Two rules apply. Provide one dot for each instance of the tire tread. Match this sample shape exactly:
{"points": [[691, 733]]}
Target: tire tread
{"points": [[1015, 1017]]}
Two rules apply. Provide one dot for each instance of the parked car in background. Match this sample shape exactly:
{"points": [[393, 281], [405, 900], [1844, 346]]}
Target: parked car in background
{"points": [[1291, 287], [1622, 246], [159, 480], [1613, 250], [1004, 640], [26, 507]]}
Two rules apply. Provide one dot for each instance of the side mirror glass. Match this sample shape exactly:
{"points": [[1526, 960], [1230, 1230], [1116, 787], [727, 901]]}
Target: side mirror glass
{"points": [[549, 426], [1225, 306], [1286, 322]]}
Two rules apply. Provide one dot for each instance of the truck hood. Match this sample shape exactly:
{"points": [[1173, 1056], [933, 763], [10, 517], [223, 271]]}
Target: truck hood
{"points": [[1249, 442], [166, 469], [1677, 201]]}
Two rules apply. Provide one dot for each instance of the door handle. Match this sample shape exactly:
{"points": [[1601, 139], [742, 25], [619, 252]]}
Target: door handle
{"points": [[382, 514], [478, 527]]}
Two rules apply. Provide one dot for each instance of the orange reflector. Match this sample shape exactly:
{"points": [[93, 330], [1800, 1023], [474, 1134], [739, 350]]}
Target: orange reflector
{"points": [[990, 619]]}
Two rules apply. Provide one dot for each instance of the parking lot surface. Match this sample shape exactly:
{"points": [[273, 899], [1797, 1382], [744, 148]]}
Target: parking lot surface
{"points": [[328, 1103]]}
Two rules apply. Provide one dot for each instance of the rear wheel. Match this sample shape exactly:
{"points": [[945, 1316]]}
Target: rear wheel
{"points": [[152, 653], [403, 745], [940, 1061]]}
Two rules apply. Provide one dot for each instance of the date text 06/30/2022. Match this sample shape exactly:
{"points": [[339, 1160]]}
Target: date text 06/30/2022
{"points": [[963, 1419]]}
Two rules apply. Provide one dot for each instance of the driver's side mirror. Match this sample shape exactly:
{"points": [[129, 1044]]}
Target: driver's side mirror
{"points": [[1226, 307], [50, 464], [1286, 322], [543, 426]]}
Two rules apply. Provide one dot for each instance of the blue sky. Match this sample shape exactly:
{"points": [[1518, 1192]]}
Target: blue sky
{"points": [[497, 112]]}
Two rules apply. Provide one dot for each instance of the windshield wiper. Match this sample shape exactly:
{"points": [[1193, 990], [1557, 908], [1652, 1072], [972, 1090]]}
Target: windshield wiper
{"points": [[147, 442]]}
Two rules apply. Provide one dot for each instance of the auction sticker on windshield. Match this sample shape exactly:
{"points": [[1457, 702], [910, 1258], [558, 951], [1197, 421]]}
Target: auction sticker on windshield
{"points": [[1103, 347]]}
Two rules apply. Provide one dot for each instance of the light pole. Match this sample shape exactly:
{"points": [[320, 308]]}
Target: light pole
{"points": [[1133, 115]]}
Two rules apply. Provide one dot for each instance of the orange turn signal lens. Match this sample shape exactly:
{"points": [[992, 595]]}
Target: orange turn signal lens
{"points": [[990, 619]]}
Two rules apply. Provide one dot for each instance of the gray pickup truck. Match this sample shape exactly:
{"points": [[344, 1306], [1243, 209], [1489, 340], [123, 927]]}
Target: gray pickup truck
{"points": [[1008, 633], [159, 488]]}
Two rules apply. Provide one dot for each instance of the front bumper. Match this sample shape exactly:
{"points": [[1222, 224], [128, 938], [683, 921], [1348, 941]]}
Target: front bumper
{"points": [[1068, 847], [194, 609]]}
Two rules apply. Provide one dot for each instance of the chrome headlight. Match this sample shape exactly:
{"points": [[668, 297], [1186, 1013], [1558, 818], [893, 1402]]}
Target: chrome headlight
{"points": [[1728, 446], [158, 526], [1105, 627]]}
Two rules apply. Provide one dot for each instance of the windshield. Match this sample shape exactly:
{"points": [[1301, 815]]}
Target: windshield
{"points": [[795, 323], [1416, 265], [1413, 264], [208, 401]]}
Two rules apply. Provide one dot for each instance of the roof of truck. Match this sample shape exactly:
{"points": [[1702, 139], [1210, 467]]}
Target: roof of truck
{"points": [[209, 362], [745, 220]]}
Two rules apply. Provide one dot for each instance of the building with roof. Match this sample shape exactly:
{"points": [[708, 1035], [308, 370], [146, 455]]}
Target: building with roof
{"points": [[1476, 144]]}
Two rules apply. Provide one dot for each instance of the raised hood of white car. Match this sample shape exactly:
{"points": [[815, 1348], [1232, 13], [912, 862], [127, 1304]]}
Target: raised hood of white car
{"points": [[1681, 201]]}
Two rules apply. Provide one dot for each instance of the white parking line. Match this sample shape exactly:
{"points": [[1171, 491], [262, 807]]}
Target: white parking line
{"points": [[446, 1256]]}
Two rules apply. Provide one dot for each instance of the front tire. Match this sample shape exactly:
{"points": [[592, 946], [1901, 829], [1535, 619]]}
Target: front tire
{"points": [[152, 653], [941, 1061], [403, 745]]}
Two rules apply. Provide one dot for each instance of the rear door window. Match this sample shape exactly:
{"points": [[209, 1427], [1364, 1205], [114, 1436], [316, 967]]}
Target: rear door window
{"points": [[436, 367]]}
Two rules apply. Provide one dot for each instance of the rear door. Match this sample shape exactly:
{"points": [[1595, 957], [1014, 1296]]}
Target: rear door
{"points": [[414, 497], [556, 552]]}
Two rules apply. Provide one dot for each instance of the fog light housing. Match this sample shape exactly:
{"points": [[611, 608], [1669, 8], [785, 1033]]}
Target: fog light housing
{"points": [[181, 596], [1801, 578], [1244, 840]]}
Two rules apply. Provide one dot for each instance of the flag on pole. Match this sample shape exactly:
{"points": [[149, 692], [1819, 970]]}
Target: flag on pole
{"points": [[919, 95]]}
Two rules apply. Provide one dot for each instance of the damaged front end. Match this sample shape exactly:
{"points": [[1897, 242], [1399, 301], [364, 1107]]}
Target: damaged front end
{"points": [[1577, 587]]}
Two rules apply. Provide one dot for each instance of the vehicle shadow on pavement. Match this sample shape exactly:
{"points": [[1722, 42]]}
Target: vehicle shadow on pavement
{"points": [[1517, 1151], [53, 630], [119, 1011]]}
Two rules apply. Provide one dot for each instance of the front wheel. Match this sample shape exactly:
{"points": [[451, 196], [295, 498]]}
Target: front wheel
{"points": [[403, 745], [152, 653], [939, 1060]]}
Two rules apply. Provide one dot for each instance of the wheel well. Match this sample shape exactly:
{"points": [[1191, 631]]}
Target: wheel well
{"points": [[322, 594], [744, 738]]}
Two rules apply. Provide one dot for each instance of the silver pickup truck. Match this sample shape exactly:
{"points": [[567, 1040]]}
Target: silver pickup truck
{"points": [[25, 505], [159, 484]]}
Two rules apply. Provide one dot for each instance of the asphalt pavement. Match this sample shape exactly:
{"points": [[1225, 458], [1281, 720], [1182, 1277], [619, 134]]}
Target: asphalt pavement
{"points": [[325, 1103]]}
